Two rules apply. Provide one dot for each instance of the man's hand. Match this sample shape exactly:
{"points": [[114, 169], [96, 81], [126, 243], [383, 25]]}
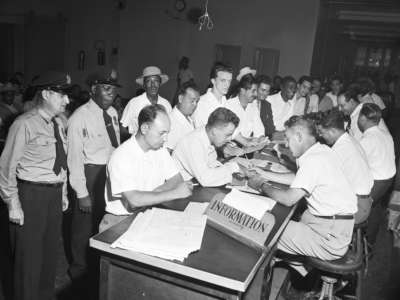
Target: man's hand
{"points": [[65, 203], [85, 204], [255, 182], [184, 189], [16, 215]]}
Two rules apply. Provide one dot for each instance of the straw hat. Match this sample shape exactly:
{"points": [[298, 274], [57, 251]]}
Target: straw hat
{"points": [[152, 71]]}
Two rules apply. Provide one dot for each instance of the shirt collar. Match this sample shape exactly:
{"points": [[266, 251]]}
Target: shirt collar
{"points": [[44, 115], [211, 94], [341, 139], [181, 116], [371, 129], [204, 138], [313, 149], [356, 111]]}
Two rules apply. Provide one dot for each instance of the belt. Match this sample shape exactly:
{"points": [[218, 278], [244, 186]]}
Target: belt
{"points": [[46, 184], [337, 217], [363, 196]]}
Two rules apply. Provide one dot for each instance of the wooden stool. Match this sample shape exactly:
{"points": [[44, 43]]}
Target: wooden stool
{"points": [[351, 263]]}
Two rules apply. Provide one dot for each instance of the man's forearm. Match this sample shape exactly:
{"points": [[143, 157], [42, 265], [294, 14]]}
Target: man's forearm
{"points": [[134, 199]]}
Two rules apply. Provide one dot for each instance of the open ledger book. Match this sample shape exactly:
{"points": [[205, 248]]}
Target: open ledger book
{"points": [[166, 233]]}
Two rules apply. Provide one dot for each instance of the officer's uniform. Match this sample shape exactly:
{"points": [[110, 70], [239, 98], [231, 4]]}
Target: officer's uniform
{"points": [[93, 134], [33, 176]]}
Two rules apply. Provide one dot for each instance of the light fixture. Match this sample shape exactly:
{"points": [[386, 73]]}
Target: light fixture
{"points": [[205, 20]]}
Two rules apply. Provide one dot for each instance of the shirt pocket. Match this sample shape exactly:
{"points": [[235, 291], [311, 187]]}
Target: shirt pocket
{"points": [[43, 141]]}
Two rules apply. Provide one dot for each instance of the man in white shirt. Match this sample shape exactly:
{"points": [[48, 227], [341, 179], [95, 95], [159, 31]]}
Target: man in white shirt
{"points": [[379, 147], [350, 105], [221, 78], [196, 156], [181, 121], [301, 100], [330, 100], [353, 157], [250, 130], [151, 80], [93, 134], [282, 103], [141, 172], [326, 227]]}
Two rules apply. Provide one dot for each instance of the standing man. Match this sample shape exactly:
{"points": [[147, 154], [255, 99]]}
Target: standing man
{"points": [[282, 103], [151, 80], [180, 117], [93, 134], [33, 176], [353, 157], [379, 147], [221, 78], [302, 97], [330, 100], [263, 90]]}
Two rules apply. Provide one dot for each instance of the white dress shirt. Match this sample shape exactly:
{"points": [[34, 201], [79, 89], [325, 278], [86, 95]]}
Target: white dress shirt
{"points": [[333, 97], [379, 148], [180, 126], [197, 158], [135, 105], [299, 104], [88, 142], [207, 104], [130, 168], [354, 130], [321, 175], [281, 110], [355, 164], [313, 106], [373, 98], [250, 121]]}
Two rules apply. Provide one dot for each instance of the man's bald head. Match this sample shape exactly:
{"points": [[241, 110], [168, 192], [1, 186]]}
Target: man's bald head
{"points": [[301, 134]]}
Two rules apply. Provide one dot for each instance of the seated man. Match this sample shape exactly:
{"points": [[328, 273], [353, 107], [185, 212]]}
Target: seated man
{"points": [[196, 155], [353, 157], [141, 172], [379, 147], [326, 227], [181, 121], [263, 90], [330, 100]]}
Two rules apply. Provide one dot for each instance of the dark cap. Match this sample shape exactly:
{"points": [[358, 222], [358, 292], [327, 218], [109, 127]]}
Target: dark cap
{"points": [[52, 80], [109, 77]]}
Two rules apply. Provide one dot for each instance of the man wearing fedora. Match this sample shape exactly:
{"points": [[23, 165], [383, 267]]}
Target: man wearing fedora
{"points": [[33, 184], [93, 134], [151, 80]]}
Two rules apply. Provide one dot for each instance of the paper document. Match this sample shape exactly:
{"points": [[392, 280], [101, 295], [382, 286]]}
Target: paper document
{"points": [[243, 188], [165, 233], [253, 205]]}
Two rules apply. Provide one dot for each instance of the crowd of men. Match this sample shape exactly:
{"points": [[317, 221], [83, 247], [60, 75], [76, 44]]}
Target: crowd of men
{"points": [[52, 160]]}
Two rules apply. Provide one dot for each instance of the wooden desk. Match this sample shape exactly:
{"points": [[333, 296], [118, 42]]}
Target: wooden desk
{"points": [[223, 268]]}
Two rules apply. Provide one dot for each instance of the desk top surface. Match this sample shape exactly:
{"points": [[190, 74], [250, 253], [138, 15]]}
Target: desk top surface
{"points": [[222, 260]]}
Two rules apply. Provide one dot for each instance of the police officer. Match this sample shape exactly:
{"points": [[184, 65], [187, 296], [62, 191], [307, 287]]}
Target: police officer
{"points": [[33, 184], [93, 134]]}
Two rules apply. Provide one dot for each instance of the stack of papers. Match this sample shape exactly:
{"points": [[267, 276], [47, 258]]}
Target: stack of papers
{"points": [[166, 233], [252, 205]]}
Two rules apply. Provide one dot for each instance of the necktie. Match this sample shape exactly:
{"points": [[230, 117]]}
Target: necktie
{"points": [[348, 126], [61, 156], [110, 129], [307, 105]]}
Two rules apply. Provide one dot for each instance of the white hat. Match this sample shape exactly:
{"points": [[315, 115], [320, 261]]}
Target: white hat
{"points": [[152, 71], [245, 71]]}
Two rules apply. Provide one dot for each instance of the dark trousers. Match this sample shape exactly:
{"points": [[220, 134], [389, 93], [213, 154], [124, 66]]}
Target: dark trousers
{"points": [[85, 225], [377, 214], [36, 242], [5, 254]]}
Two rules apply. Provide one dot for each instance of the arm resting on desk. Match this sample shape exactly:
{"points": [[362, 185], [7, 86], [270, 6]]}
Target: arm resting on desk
{"points": [[286, 178], [173, 188]]}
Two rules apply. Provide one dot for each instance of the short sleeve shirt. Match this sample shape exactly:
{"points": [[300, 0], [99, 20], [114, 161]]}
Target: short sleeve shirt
{"points": [[321, 175], [130, 168], [180, 127], [281, 110]]}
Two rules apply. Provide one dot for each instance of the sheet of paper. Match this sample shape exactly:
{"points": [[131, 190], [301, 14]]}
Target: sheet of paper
{"points": [[195, 208], [166, 233], [243, 188], [253, 205]]}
